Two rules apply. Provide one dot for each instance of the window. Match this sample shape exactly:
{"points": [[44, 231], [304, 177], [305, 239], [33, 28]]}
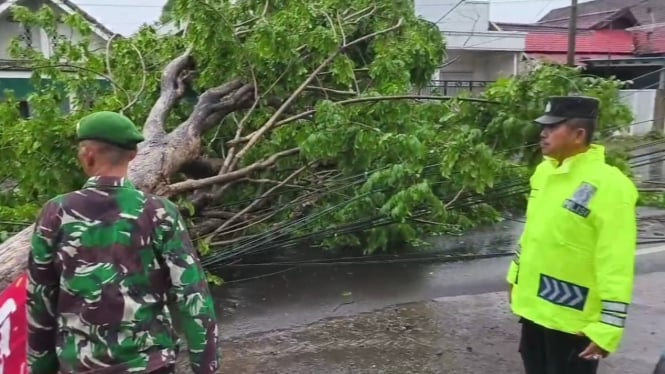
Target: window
{"points": [[56, 39], [26, 36], [24, 109]]}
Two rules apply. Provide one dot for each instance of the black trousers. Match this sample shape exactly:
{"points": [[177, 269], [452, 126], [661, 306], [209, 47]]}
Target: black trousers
{"points": [[660, 367], [546, 351]]}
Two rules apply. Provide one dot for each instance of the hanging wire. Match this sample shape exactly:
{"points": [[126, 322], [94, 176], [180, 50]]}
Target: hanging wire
{"points": [[275, 238]]}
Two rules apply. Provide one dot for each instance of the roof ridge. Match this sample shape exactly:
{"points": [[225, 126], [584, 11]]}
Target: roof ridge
{"points": [[85, 15]]}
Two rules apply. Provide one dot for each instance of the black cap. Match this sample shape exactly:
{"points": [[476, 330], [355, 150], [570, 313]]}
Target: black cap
{"points": [[561, 108]]}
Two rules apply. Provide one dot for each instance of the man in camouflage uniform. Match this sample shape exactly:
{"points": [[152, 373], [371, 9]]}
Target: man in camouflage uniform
{"points": [[104, 263]]}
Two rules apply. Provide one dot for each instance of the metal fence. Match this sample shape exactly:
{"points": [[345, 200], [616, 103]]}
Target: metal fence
{"points": [[454, 87]]}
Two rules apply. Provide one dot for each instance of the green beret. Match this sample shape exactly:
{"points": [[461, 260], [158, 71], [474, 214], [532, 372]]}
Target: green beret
{"points": [[109, 127]]}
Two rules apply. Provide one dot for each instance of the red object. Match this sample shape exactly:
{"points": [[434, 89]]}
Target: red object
{"points": [[587, 42], [651, 40], [14, 328]]}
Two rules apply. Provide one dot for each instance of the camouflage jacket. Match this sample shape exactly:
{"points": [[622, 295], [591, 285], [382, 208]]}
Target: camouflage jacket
{"points": [[104, 263]]}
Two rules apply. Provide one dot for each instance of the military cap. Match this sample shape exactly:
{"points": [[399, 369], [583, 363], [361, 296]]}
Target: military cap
{"points": [[562, 108], [109, 127]]}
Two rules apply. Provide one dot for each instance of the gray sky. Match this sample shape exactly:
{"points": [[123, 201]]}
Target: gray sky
{"points": [[125, 16]]}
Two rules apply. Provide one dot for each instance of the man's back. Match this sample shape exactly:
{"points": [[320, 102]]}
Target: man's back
{"points": [[113, 256]]}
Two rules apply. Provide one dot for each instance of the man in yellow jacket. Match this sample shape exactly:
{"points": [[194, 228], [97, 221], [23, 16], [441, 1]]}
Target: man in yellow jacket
{"points": [[571, 279]]}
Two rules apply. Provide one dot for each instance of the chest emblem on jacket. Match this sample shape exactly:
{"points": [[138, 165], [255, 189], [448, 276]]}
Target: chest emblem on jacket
{"points": [[579, 202]]}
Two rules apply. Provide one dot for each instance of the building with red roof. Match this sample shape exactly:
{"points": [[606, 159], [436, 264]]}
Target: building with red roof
{"points": [[649, 40], [589, 44], [614, 38], [610, 40]]}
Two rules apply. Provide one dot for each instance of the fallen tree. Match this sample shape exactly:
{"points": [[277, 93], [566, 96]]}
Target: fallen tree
{"points": [[269, 119]]}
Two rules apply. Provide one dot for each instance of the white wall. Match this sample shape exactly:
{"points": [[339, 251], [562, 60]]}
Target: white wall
{"points": [[643, 104], [486, 40], [10, 30], [480, 66], [474, 52], [455, 15]]}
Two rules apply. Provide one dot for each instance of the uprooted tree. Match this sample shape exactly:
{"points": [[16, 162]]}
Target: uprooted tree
{"points": [[275, 122]]}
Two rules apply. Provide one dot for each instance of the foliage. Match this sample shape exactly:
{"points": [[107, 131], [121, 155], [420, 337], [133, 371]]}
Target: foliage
{"points": [[167, 10], [388, 170], [652, 199]]}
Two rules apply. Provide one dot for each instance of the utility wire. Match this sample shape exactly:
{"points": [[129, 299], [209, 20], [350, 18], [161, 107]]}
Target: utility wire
{"points": [[255, 246]]}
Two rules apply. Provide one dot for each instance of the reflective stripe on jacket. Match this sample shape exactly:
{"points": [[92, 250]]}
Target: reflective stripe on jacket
{"points": [[574, 270]]}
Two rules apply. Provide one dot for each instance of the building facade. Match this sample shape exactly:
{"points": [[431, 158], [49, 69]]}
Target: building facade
{"points": [[15, 74], [476, 54]]}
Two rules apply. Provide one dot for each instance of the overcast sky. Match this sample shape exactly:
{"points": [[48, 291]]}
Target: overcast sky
{"points": [[125, 16]]}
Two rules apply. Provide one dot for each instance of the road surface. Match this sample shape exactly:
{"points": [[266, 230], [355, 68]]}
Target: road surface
{"points": [[410, 318]]}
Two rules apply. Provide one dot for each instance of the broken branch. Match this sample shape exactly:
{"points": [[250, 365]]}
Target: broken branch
{"points": [[454, 199], [261, 198], [359, 100], [273, 119], [143, 79], [330, 90], [172, 90], [190, 185], [215, 103]]}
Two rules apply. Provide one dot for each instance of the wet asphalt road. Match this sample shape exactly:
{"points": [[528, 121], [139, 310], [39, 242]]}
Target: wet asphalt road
{"points": [[460, 335], [409, 318], [423, 333], [305, 295]]}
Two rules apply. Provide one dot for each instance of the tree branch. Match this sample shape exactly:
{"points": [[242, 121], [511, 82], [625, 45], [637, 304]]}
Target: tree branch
{"points": [[173, 87], [454, 199], [332, 91], [143, 79], [273, 120], [256, 201], [190, 185], [201, 198], [108, 61], [215, 103], [224, 215], [202, 167], [359, 100], [271, 181]]}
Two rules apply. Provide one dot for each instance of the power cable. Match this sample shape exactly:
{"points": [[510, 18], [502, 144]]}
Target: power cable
{"points": [[255, 247]]}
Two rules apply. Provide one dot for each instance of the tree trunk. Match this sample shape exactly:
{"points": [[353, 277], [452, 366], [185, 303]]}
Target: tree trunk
{"points": [[14, 257]]}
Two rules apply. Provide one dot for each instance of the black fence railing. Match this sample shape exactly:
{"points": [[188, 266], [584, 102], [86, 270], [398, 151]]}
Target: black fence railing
{"points": [[454, 87]]}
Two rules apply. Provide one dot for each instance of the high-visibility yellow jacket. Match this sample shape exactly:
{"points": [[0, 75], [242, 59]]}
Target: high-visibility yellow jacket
{"points": [[573, 271]]}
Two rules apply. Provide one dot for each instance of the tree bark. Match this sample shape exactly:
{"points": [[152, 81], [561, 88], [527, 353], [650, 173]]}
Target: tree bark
{"points": [[14, 257]]}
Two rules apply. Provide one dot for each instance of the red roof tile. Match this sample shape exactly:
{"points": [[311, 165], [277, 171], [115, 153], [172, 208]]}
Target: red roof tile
{"points": [[650, 41], [596, 20], [588, 41], [646, 11]]}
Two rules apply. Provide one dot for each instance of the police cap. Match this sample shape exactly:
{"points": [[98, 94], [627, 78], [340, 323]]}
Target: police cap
{"points": [[109, 127], [562, 108]]}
